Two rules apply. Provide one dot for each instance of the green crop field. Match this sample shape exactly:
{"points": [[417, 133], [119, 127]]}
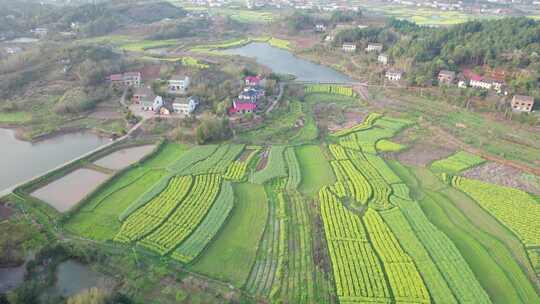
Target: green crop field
{"points": [[15, 117], [230, 256], [330, 222], [457, 162], [315, 169]]}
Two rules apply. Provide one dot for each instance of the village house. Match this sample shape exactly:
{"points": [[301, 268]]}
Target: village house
{"points": [[374, 47], [185, 105], [178, 84], [152, 105], [382, 58], [12, 50], [251, 94], [129, 79], [320, 28], [39, 32], [349, 47], [446, 77], [495, 82], [253, 80], [522, 103], [241, 107], [394, 75], [140, 94]]}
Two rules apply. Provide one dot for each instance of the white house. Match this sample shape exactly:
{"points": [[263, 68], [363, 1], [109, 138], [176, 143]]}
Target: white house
{"points": [[522, 103], [184, 105], [394, 75], [320, 27], [382, 58], [349, 47], [374, 47], [178, 84], [154, 105]]}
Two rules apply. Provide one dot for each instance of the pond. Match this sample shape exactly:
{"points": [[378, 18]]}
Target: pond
{"points": [[73, 277], [11, 277], [23, 160], [284, 62]]}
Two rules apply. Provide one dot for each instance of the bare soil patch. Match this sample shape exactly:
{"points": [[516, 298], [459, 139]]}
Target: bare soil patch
{"points": [[263, 160], [503, 175], [5, 212], [422, 154], [245, 155], [105, 114], [125, 157], [67, 191]]}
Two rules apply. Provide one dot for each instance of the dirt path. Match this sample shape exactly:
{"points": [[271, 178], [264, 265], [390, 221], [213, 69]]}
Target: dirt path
{"points": [[278, 98]]}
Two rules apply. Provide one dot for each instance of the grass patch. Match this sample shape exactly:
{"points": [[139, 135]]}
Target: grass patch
{"points": [[457, 162], [246, 16], [143, 45], [230, 257], [15, 117], [384, 145], [316, 172]]}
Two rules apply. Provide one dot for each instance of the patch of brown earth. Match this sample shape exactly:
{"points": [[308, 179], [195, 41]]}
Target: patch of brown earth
{"points": [[245, 155], [5, 212], [422, 154], [503, 175], [264, 159]]}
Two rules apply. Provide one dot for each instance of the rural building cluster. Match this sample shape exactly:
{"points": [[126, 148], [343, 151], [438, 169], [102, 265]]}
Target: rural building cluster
{"points": [[249, 98]]}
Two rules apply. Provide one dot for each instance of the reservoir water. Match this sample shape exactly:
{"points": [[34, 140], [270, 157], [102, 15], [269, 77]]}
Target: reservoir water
{"points": [[21, 160], [284, 62]]}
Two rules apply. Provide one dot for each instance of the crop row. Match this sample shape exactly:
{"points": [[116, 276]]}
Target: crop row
{"points": [[299, 282], [406, 283], [265, 273], [381, 190], [357, 269], [366, 124], [205, 232], [186, 217], [457, 162], [516, 209], [358, 186], [338, 152], [191, 157], [435, 282], [295, 175], [236, 171], [275, 166], [444, 253], [330, 89], [155, 212], [218, 161]]}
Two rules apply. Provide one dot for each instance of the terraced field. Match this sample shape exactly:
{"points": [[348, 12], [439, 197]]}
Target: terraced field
{"points": [[328, 223]]}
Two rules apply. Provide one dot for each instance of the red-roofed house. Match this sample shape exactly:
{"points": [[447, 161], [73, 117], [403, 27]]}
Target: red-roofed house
{"points": [[116, 79], [477, 81], [242, 107], [127, 79], [253, 80]]}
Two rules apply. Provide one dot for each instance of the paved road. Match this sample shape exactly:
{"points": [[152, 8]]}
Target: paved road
{"points": [[278, 98]]}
